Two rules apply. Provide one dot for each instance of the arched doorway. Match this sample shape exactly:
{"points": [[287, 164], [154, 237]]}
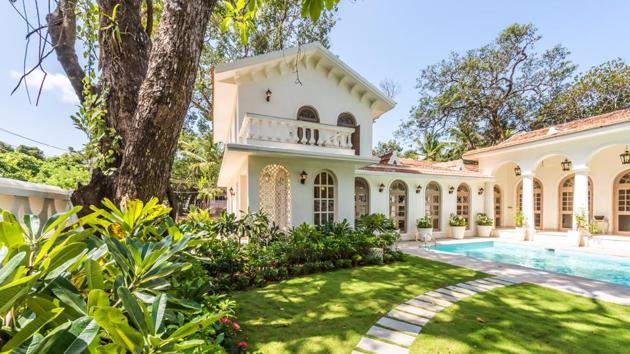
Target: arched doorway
{"points": [[538, 201], [361, 198], [621, 207], [432, 199], [497, 206], [463, 203], [275, 194], [398, 204], [565, 202], [324, 196], [347, 120]]}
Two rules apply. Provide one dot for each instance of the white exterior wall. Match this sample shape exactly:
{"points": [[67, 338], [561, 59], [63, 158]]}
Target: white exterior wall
{"points": [[379, 201], [316, 90], [22, 198]]}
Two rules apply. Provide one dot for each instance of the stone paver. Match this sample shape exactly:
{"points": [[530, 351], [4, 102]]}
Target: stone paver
{"points": [[425, 305], [407, 317], [395, 337], [451, 293], [399, 325], [396, 331], [379, 347], [433, 300], [461, 290], [442, 296], [415, 310]]}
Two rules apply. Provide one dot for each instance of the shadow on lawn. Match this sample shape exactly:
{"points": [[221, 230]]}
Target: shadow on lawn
{"points": [[528, 318], [329, 312]]}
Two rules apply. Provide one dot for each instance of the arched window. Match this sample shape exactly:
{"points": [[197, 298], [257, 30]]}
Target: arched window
{"points": [[433, 198], [497, 206], [275, 194], [361, 198], [308, 114], [324, 198], [463, 203], [398, 204], [308, 135], [347, 120], [565, 205], [538, 201], [622, 203]]}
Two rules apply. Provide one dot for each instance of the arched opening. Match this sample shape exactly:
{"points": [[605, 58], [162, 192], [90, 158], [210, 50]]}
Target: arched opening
{"points": [[498, 203], [361, 198], [565, 201], [463, 203], [308, 135], [347, 120], [398, 204], [432, 200], [324, 196], [621, 205], [538, 201], [275, 194]]}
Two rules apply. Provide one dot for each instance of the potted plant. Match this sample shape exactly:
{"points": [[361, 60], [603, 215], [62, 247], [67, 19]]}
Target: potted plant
{"points": [[424, 229], [484, 225], [519, 222], [458, 226], [582, 230]]}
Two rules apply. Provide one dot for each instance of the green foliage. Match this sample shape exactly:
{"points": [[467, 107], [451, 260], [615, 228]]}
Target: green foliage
{"points": [[425, 222], [482, 219], [271, 255], [457, 220], [28, 164], [98, 284], [519, 218]]}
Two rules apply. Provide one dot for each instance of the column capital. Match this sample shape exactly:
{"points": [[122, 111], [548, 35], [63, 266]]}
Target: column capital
{"points": [[583, 170], [527, 173]]}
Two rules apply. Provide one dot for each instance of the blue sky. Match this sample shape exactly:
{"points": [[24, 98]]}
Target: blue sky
{"points": [[378, 38]]}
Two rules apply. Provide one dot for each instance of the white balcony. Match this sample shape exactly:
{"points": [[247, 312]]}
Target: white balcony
{"points": [[290, 133]]}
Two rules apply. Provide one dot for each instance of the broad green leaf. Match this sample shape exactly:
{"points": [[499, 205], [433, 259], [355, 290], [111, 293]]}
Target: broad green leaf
{"points": [[66, 292], [315, 9], [158, 308], [40, 320], [189, 344], [113, 320], [134, 310], [94, 275], [60, 255], [193, 327], [56, 219], [9, 293], [75, 338], [11, 234], [97, 298], [11, 266]]}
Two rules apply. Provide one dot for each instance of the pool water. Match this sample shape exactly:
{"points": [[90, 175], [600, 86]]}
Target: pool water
{"points": [[599, 267]]}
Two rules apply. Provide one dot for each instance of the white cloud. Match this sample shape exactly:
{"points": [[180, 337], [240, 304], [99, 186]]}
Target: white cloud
{"points": [[57, 84]]}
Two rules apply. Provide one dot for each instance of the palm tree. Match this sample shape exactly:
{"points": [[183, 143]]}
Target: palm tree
{"points": [[431, 147]]}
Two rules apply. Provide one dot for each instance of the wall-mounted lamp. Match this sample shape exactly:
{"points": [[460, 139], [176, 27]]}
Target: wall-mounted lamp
{"points": [[381, 187], [625, 157], [517, 170], [231, 190], [451, 189], [480, 191], [418, 189], [268, 95], [566, 165], [303, 176]]}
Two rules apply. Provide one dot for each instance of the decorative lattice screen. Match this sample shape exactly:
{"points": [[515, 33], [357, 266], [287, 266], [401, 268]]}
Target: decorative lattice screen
{"points": [[275, 194]]}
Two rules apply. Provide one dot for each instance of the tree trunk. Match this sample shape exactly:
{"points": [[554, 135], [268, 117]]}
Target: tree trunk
{"points": [[149, 88]]}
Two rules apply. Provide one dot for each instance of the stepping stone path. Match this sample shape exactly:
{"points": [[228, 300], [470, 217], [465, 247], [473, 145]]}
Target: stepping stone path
{"points": [[396, 331]]}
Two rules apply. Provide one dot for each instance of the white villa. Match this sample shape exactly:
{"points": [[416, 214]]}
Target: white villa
{"points": [[297, 130]]}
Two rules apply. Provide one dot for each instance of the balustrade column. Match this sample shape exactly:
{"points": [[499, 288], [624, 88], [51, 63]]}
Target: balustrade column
{"points": [[528, 204], [580, 194]]}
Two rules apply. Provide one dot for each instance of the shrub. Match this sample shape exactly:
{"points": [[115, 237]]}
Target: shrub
{"points": [[425, 222], [519, 219], [456, 220], [483, 219]]}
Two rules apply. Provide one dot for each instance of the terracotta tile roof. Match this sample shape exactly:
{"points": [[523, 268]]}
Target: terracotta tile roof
{"points": [[579, 125], [423, 167]]}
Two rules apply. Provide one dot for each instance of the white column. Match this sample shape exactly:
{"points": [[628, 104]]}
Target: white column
{"points": [[488, 189], [580, 194], [528, 203]]}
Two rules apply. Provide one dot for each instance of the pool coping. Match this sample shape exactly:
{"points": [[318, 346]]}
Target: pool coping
{"points": [[615, 293]]}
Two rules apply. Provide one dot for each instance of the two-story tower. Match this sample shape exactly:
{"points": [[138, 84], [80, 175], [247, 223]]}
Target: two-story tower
{"points": [[296, 125]]}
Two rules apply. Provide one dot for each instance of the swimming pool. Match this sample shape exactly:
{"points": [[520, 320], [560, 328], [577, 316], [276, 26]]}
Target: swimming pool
{"points": [[599, 267]]}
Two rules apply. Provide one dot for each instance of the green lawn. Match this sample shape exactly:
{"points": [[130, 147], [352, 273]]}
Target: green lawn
{"points": [[524, 319], [329, 312]]}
